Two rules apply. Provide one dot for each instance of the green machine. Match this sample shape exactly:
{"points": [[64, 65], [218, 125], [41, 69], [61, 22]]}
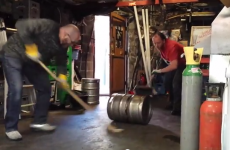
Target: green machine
{"points": [[61, 94]]}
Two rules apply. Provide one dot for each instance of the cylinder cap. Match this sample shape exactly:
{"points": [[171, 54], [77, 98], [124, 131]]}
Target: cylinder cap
{"points": [[217, 99]]}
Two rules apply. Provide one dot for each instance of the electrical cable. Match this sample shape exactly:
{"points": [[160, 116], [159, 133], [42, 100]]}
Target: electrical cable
{"points": [[135, 72], [60, 18]]}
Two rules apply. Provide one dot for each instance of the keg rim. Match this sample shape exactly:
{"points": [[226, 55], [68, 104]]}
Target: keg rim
{"points": [[148, 116]]}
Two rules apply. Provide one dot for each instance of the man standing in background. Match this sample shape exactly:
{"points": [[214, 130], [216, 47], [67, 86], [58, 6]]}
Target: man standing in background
{"points": [[38, 39], [174, 65]]}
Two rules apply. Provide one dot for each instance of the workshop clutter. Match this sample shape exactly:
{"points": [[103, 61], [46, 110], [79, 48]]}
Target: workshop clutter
{"points": [[160, 89], [53, 69], [158, 84], [143, 80], [143, 90], [61, 94], [204, 66], [26, 9], [87, 88], [83, 95]]}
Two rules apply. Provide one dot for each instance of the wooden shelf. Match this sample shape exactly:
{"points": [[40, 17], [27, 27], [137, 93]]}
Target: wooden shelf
{"points": [[205, 60], [205, 72]]}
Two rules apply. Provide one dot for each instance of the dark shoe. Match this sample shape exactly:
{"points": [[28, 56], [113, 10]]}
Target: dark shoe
{"points": [[176, 113], [14, 136], [43, 127]]}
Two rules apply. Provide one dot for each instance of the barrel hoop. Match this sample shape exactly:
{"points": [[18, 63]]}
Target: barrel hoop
{"points": [[113, 108], [90, 88], [110, 104], [127, 105], [90, 82], [116, 103]]}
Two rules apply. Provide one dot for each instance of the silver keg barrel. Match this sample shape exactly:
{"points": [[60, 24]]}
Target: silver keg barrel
{"points": [[92, 87], [140, 109], [129, 108], [117, 107]]}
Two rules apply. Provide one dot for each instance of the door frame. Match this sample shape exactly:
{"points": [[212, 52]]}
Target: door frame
{"points": [[125, 49]]}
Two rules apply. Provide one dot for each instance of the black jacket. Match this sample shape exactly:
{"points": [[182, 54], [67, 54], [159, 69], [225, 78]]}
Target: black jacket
{"points": [[45, 34]]}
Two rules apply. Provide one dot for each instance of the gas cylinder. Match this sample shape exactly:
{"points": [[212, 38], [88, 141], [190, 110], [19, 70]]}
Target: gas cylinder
{"points": [[191, 99], [211, 118]]}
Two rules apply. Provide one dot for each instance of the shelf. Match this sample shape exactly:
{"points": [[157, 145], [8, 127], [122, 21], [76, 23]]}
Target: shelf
{"points": [[205, 72], [205, 60]]}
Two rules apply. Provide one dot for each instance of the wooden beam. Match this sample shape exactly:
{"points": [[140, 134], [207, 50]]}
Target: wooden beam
{"points": [[133, 3], [176, 1], [149, 2]]}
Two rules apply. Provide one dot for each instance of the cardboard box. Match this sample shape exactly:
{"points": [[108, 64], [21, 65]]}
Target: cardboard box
{"points": [[184, 43], [226, 2]]}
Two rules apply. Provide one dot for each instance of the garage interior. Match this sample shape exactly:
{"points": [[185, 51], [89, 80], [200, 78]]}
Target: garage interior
{"points": [[109, 59]]}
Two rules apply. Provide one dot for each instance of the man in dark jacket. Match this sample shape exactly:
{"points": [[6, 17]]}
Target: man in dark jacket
{"points": [[35, 39]]}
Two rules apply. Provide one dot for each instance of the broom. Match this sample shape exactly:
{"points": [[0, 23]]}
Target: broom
{"points": [[110, 127]]}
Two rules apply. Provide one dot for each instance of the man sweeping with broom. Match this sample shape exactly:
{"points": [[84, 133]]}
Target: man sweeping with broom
{"points": [[36, 39]]}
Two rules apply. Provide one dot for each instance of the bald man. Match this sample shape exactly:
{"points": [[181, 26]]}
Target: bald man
{"points": [[37, 39]]}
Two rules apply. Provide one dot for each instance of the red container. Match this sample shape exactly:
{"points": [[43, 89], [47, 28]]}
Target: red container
{"points": [[131, 92], [210, 125]]}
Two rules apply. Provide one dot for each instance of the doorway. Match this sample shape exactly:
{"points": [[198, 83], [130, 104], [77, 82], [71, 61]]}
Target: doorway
{"points": [[102, 51]]}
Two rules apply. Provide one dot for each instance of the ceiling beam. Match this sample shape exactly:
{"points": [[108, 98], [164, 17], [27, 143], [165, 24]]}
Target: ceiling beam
{"points": [[150, 2]]}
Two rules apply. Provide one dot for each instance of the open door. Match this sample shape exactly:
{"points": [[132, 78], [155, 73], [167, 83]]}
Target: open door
{"points": [[117, 53]]}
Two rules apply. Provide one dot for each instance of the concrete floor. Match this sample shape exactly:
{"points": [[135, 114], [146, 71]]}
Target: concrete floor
{"points": [[88, 131]]}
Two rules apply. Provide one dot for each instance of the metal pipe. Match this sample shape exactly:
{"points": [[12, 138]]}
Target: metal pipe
{"points": [[151, 11], [3, 39], [141, 43], [145, 38], [148, 43], [11, 29], [194, 14]]}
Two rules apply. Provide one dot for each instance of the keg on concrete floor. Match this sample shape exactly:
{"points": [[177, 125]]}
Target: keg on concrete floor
{"points": [[92, 87], [129, 108]]}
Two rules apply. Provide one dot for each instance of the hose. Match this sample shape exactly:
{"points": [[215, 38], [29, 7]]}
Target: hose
{"points": [[134, 76]]}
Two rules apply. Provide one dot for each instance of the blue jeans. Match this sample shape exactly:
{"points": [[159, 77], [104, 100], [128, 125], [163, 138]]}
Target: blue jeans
{"points": [[14, 69]]}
